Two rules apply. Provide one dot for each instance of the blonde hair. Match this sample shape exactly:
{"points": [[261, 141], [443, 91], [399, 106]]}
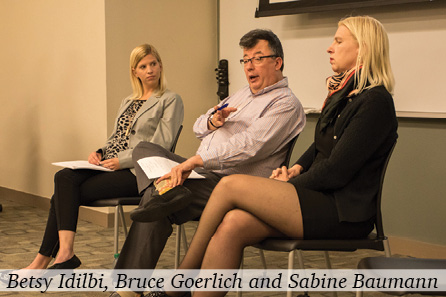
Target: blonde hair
{"points": [[373, 54], [136, 56]]}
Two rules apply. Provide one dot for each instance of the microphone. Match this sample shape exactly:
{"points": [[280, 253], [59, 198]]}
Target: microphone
{"points": [[222, 79]]}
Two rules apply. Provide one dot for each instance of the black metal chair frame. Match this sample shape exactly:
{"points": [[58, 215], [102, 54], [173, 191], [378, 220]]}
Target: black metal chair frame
{"points": [[120, 201], [375, 241]]}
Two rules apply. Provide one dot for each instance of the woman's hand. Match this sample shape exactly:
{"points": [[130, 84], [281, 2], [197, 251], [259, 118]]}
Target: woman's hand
{"points": [[181, 172], [219, 118], [112, 164], [285, 174], [94, 158]]}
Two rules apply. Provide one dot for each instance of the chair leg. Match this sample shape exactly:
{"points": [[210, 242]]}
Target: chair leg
{"points": [[184, 238], [387, 248], [124, 225], [289, 293], [291, 259], [116, 233], [300, 258], [328, 264], [327, 259], [387, 252], [119, 215], [180, 236], [262, 258], [178, 246]]}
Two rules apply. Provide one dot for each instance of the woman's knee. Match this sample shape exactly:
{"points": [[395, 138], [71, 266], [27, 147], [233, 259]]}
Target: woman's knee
{"points": [[231, 184], [62, 175], [235, 227]]}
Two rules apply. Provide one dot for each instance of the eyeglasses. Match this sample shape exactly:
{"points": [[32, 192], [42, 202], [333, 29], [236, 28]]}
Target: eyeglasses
{"points": [[255, 60]]}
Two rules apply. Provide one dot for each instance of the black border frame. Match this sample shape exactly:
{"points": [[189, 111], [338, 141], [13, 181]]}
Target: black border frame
{"points": [[266, 9]]}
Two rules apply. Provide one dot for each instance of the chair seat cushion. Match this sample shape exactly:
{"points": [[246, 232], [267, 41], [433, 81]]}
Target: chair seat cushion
{"points": [[287, 245]]}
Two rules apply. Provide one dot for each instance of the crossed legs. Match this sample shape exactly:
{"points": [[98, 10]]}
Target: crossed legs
{"points": [[241, 211]]}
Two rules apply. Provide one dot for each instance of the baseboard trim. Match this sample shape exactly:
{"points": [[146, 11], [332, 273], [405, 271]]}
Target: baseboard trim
{"points": [[102, 216], [414, 248]]}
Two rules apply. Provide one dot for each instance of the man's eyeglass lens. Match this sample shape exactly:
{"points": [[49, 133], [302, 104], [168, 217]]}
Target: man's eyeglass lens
{"points": [[255, 60]]}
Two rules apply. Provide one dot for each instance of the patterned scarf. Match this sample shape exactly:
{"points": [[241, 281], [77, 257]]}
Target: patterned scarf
{"points": [[340, 87]]}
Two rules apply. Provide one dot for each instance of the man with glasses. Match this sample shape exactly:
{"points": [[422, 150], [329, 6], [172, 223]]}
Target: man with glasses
{"points": [[247, 133]]}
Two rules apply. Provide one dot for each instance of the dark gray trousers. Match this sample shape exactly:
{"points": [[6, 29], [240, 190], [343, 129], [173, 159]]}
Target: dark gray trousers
{"points": [[145, 241]]}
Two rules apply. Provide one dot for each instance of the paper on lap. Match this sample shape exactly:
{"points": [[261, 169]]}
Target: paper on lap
{"points": [[155, 167], [80, 165]]}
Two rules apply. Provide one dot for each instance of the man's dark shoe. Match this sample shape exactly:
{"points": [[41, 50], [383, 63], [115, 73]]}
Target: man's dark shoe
{"points": [[160, 206]]}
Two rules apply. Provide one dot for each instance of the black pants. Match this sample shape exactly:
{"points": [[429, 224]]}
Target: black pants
{"points": [[145, 241], [73, 188]]}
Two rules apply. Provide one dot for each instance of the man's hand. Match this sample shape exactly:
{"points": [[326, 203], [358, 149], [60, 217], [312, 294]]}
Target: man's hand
{"points": [[181, 172], [94, 158], [219, 118], [285, 174], [112, 164]]}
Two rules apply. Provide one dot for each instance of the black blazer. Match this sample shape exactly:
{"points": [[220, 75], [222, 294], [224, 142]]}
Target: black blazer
{"points": [[364, 132]]}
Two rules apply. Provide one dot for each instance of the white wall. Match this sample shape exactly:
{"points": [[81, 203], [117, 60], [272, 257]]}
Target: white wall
{"points": [[417, 34], [52, 85], [185, 34], [65, 71]]}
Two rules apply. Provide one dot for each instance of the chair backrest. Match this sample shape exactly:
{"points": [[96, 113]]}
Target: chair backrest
{"points": [[291, 144], [379, 221], [174, 144]]}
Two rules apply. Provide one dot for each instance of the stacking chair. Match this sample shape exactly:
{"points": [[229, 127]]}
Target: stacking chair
{"points": [[375, 241], [181, 233], [403, 263], [120, 201]]}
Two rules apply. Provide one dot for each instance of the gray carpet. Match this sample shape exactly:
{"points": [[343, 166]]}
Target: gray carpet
{"points": [[21, 230]]}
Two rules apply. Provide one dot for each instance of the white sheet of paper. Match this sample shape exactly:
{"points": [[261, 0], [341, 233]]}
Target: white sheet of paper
{"points": [[80, 165], [155, 167]]}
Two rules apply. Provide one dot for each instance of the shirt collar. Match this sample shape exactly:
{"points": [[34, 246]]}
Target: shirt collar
{"points": [[283, 83]]}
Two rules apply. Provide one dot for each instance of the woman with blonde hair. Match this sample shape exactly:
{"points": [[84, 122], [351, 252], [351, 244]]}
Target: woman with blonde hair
{"points": [[330, 192], [152, 113]]}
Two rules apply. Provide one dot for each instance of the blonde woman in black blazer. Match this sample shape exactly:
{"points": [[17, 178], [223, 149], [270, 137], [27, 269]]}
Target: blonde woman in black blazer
{"points": [[330, 191], [153, 113]]}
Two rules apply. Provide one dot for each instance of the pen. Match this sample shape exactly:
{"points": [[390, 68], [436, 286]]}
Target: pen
{"points": [[220, 108]]}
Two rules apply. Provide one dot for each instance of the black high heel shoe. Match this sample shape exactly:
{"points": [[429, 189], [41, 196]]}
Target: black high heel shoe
{"points": [[73, 263]]}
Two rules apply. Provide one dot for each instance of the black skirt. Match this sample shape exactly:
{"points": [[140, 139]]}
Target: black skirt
{"points": [[321, 220]]}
